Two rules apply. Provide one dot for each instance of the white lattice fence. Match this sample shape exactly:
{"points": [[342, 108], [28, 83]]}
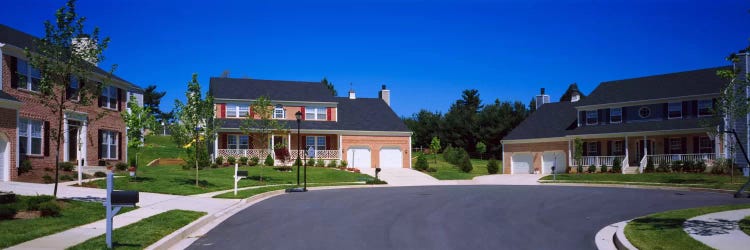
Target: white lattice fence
{"points": [[249, 153]]}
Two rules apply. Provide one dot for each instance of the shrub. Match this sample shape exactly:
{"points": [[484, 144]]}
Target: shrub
{"points": [[448, 153], [269, 161], [492, 166], [700, 166], [133, 162], [283, 155], [204, 160], [376, 181], [617, 166], [603, 168], [243, 160], [649, 167], [344, 163], [25, 167], [465, 164], [310, 162], [663, 167], [422, 164], [6, 198], [688, 166], [66, 166], [66, 177], [677, 166], [592, 168], [253, 161], [99, 174], [231, 160], [7, 212], [579, 169], [320, 163], [33, 202], [214, 165], [431, 170], [283, 168], [298, 162], [49, 209], [219, 160], [721, 166], [332, 164], [47, 179], [121, 166]]}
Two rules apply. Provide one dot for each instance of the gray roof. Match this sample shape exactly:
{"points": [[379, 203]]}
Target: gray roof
{"points": [[6, 96], [695, 82], [550, 120], [240, 88], [24, 40], [361, 114]]}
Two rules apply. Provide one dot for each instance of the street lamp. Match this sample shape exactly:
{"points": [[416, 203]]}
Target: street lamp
{"points": [[198, 130], [298, 115], [164, 127]]}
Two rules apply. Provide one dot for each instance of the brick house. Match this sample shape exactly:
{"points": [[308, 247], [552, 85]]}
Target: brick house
{"points": [[93, 135], [363, 131], [660, 118]]}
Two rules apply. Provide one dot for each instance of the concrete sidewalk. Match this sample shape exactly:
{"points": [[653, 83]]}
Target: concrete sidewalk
{"points": [[719, 230], [150, 204]]}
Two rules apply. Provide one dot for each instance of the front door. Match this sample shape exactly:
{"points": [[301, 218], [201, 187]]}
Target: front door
{"points": [[639, 151], [73, 129]]}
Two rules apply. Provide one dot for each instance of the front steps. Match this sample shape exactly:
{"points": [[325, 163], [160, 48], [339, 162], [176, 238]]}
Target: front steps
{"points": [[631, 170]]}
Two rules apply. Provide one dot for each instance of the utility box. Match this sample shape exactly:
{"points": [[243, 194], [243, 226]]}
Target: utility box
{"points": [[124, 198]]}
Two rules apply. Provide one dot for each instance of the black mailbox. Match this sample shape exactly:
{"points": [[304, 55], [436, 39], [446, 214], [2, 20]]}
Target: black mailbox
{"points": [[242, 173], [377, 170], [124, 198]]}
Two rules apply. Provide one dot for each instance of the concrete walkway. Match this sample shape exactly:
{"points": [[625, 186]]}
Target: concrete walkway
{"points": [[150, 204], [719, 230], [403, 177]]}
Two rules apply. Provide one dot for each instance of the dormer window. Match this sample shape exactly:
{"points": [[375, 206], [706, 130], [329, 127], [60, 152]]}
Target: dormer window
{"points": [[675, 110], [279, 112], [592, 117], [236, 110], [705, 107], [615, 115]]}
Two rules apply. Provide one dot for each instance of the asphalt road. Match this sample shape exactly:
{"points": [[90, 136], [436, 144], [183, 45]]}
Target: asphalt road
{"points": [[444, 217]]}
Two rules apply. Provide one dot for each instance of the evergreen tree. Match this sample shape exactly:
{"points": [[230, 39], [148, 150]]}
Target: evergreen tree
{"points": [[330, 86]]}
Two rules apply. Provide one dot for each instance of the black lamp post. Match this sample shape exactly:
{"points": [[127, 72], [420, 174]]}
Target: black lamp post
{"points": [[298, 115], [198, 130]]}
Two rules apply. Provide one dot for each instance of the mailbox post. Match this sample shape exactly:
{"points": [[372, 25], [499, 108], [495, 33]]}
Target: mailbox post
{"points": [[238, 175], [115, 201]]}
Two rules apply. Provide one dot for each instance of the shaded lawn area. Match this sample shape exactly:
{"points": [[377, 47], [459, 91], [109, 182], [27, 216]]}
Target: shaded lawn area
{"points": [[660, 179], [143, 233], [175, 180], [73, 214], [665, 230], [241, 194], [745, 225], [447, 171]]}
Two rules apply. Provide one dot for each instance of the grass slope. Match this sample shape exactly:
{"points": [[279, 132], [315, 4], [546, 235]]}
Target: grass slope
{"points": [[661, 179], [141, 234], [664, 230], [73, 214], [447, 171]]}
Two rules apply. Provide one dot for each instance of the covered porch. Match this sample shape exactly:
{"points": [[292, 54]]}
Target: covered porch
{"points": [[317, 146]]}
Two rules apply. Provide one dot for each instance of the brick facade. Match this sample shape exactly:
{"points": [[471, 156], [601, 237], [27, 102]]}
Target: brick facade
{"points": [[375, 143], [98, 119], [8, 129]]}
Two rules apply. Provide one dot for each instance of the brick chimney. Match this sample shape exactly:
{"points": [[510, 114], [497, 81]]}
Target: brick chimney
{"points": [[541, 99], [385, 94]]}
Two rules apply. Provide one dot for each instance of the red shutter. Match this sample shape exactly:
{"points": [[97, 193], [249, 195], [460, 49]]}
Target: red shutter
{"points": [[119, 99], [609, 148], [46, 138], [302, 109], [99, 146], [222, 110], [223, 141], [328, 114], [13, 72], [666, 146], [250, 111], [303, 142], [684, 145], [696, 144], [328, 137]]}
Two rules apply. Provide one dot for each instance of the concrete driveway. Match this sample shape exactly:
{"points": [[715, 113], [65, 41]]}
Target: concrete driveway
{"points": [[403, 177], [444, 217]]}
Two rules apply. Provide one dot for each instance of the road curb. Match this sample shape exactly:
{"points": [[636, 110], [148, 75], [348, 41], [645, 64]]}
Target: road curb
{"points": [[636, 186], [612, 237]]}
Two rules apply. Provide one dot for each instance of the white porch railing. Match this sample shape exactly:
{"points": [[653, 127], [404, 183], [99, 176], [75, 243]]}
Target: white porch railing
{"points": [[708, 158], [249, 153], [318, 154], [625, 164], [642, 164], [600, 160]]}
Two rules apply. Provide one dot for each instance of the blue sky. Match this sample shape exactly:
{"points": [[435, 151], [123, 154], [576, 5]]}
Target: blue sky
{"points": [[426, 52]]}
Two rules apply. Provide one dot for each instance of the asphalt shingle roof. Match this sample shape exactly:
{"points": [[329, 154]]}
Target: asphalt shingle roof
{"points": [[239, 88], [24, 40], [550, 120], [695, 82]]}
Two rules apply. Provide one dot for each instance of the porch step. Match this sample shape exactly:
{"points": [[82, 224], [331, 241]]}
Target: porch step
{"points": [[631, 170]]}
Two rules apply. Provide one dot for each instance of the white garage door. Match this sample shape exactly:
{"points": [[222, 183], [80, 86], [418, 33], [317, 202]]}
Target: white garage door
{"points": [[358, 158], [556, 158], [391, 158], [521, 163]]}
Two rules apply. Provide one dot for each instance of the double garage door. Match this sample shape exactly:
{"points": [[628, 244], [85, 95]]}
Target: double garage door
{"points": [[361, 157], [523, 163]]}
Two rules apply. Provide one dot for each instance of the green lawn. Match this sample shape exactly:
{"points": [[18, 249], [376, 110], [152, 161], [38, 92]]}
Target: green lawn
{"points": [[665, 230], [241, 194], [175, 180], [73, 214], [659, 179], [745, 225], [157, 146], [447, 171], [141, 234]]}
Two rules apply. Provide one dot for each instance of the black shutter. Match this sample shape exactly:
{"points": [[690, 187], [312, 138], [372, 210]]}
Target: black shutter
{"points": [[100, 90], [119, 146], [685, 109], [13, 72], [694, 109], [119, 99], [599, 148], [696, 145], [99, 146], [666, 146], [666, 110], [623, 114], [609, 148], [69, 90], [582, 116], [585, 149], [684, 145], [46, 138]]}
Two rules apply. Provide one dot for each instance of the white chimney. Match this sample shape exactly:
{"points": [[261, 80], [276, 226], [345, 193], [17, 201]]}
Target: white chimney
{"points": [[385, 94], [541, 99], [84, 43]]}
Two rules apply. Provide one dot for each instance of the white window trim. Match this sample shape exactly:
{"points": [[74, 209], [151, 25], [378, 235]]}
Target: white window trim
{"points": [[672, 144], [610, 115], [589, 150], [28, 77], [108, 90], [315, 142], [669, 110], [711, 106], [237, 141], [29, 137], [596, 115], [106, 134], [316, 114], [701, 147], [621, 151], [283, 112], [237, 110]]}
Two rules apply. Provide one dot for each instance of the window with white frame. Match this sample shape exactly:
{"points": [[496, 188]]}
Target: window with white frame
{"points": [[315, 113], [109, 97], [237, 110], [238, 142], [592, 149], [675, 146], [618, 148], [109, 144], [705, 107], [675, 110], [316, 142], [615, 115], [706, 146], [592, 117], [279, 112], [73, 89], [30, 135], [29, 78]]}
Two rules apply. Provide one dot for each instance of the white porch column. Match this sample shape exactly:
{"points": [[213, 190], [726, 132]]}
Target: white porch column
{"points": [[289, 143], [270, 150], [216, 146], [570, 153], [66, 140], [341, 154], [626, 152], [645, 143]]}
